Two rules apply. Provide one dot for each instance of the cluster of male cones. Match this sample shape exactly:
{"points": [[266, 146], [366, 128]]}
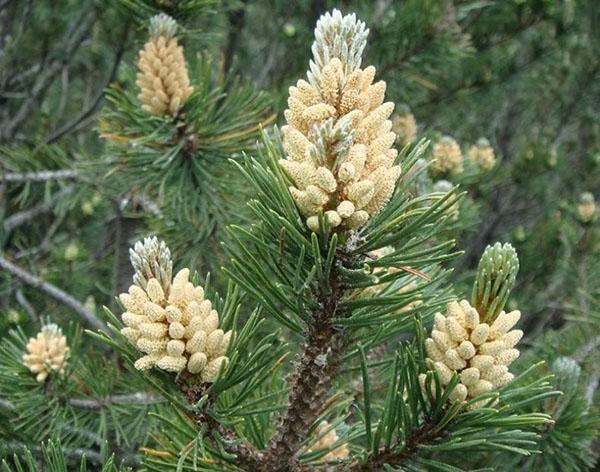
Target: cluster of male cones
{"points": [[162, 73], [338, 137], [171, 322]]}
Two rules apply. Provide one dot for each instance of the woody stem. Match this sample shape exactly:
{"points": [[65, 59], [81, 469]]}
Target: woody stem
{"points": [[309, 383]]}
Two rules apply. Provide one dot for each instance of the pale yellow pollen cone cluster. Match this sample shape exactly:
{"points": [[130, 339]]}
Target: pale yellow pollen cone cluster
{"points": [[338, 137], [327, 437], [176, 330], [447, 156], [162, 73], [482, 154], [47, 352], [586, 209], [480, 353]]}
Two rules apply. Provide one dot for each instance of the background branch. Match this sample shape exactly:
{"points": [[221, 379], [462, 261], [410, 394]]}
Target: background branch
{"points": [[28, 215], [139, 398], [73, 38], [40, 176], [86, 315]]}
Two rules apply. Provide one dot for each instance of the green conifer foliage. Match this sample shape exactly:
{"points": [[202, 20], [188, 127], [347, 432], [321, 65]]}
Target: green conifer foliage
{"points": [[239, 236]]}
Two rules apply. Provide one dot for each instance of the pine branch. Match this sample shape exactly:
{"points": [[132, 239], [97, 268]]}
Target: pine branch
{"points": [[19, 79], [26, 216], [41, 176], [592, 386], [59, 295], [336, 273], [74, 37], [46, 243], [318, 365], [139, 398], [586, 350], [236, 19], [124, 230], [89, 111], [26, 305], [391, 457], [247, 455], [131, 398]]}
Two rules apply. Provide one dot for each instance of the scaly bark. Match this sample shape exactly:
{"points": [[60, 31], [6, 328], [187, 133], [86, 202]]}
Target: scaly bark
{"points": [[315, 370]]}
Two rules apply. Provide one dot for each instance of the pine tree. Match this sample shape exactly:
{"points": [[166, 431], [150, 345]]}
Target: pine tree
{"points": [[305, 305]]}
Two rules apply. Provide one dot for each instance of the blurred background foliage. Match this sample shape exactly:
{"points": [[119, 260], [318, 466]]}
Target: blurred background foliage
{"points": [[524, 74]]}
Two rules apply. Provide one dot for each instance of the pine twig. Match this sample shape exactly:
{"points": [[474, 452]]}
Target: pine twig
{"points": [[59, 295], [26, 305], [40, 176], [89, 111], [394, 457], [6, 405], [139, 398], [26, 216], [73, 38]]}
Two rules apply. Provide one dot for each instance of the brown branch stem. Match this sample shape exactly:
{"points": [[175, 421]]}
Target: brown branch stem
{"points": [[309, 383]]}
